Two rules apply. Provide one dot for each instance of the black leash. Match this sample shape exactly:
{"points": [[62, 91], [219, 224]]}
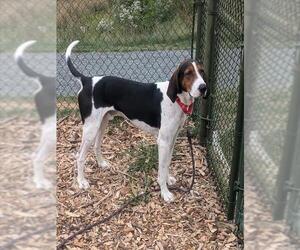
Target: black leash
{"points": [[133, 199]]}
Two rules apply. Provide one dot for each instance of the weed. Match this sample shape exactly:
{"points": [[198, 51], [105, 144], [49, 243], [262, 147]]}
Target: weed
{"points": [[146, 160]]}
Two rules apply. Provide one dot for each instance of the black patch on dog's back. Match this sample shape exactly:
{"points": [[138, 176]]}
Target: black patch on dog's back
{"points": [[45, 98], [85, 98], [141, 101]]}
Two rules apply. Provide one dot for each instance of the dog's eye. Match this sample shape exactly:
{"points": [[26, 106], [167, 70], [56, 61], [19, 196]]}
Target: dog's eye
{"points": [[188, 73]]}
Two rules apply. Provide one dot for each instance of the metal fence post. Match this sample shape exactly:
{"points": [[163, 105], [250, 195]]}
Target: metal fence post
{"points": [[200, 42], [208, 63], [236, 162], [293, 206], [289, 144], [239, 214]]}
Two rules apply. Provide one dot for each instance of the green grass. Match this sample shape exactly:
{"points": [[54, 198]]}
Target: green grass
{"points": [[17, 106], [223, 115], [141, 169], [18, 112], [146, 159], [35, 20], [92, 41], [66, 105], [171, 34]]}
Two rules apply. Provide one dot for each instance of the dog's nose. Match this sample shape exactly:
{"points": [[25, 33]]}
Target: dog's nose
{"points": [[202, 88]]}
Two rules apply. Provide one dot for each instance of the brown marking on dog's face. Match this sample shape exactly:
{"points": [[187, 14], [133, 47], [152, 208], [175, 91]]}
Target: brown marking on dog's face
{"points": [[183, 78], [189, 76]]}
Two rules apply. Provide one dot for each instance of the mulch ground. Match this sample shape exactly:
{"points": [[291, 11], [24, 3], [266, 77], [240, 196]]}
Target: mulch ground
{"points": [[27, 214], [261, 231], [193, 221]]}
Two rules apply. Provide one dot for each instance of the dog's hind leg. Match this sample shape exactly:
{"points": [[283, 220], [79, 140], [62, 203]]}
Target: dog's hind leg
{"points": [[97, 147], [90, 129]]}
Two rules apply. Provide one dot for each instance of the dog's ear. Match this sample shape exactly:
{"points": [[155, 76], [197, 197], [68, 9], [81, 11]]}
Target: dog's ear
{"points": [[173, 88]]}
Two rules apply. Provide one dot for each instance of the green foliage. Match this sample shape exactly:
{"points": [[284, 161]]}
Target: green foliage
{"points": [[146, 159], [138, 15], [127, 25]]}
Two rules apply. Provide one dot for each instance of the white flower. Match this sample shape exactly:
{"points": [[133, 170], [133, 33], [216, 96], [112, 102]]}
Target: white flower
{"points": [[105, 24], [83, 29]]}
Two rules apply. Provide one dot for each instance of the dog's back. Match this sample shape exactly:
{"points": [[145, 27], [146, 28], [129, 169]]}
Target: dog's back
{"points": [[135, 100]]}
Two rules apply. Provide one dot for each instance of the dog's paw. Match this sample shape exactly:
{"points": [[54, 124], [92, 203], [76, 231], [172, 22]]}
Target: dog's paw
{"points": [[83, 183], [104, 164], [167, 196], [171, 180], [42, 183]]}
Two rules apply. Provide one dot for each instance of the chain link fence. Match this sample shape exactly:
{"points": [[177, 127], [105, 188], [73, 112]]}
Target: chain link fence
{"points": [[272, 104], [18, 26], [223, 50], [124, 39], [225, 84], [31, 222], [138, 40], [275, 58]]}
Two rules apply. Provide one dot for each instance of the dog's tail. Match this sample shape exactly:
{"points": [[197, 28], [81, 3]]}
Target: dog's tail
{"points": [[71, 66], [19, 59]]}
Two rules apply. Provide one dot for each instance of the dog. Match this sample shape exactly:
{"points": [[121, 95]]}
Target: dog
{"points": [[159, 108], [44, 98]]}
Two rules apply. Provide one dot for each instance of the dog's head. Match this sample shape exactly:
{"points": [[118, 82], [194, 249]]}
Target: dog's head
{"points": [[188, 77]]}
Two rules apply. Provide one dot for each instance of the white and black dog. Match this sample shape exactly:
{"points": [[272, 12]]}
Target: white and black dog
{"points": [[159, 108], [44, 99]]}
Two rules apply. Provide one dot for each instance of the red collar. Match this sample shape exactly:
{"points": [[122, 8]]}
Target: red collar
{"points": [[187, 109]]}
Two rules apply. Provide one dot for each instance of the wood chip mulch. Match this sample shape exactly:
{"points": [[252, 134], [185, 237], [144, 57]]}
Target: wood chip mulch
{"points": [[193, 221], [261, 231], [27, 214]]}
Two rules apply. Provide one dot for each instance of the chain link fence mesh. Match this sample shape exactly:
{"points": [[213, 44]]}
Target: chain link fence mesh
{"points": [[200, 31], [224, 84], [225, 89], [17, 27], [138, 40], [124, 39], [27, 213], [273, 30], [272, 101]]}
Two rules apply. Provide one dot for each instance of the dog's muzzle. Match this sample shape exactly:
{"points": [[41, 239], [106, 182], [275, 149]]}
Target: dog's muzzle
{"points": [[203, 90]]}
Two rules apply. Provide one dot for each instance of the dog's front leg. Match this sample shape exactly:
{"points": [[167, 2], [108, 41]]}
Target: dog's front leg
{"points": [[165, 146]]}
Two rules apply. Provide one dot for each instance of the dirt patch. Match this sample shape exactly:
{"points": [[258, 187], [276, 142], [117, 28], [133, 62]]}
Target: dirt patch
{"points": [[193, 221]]}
